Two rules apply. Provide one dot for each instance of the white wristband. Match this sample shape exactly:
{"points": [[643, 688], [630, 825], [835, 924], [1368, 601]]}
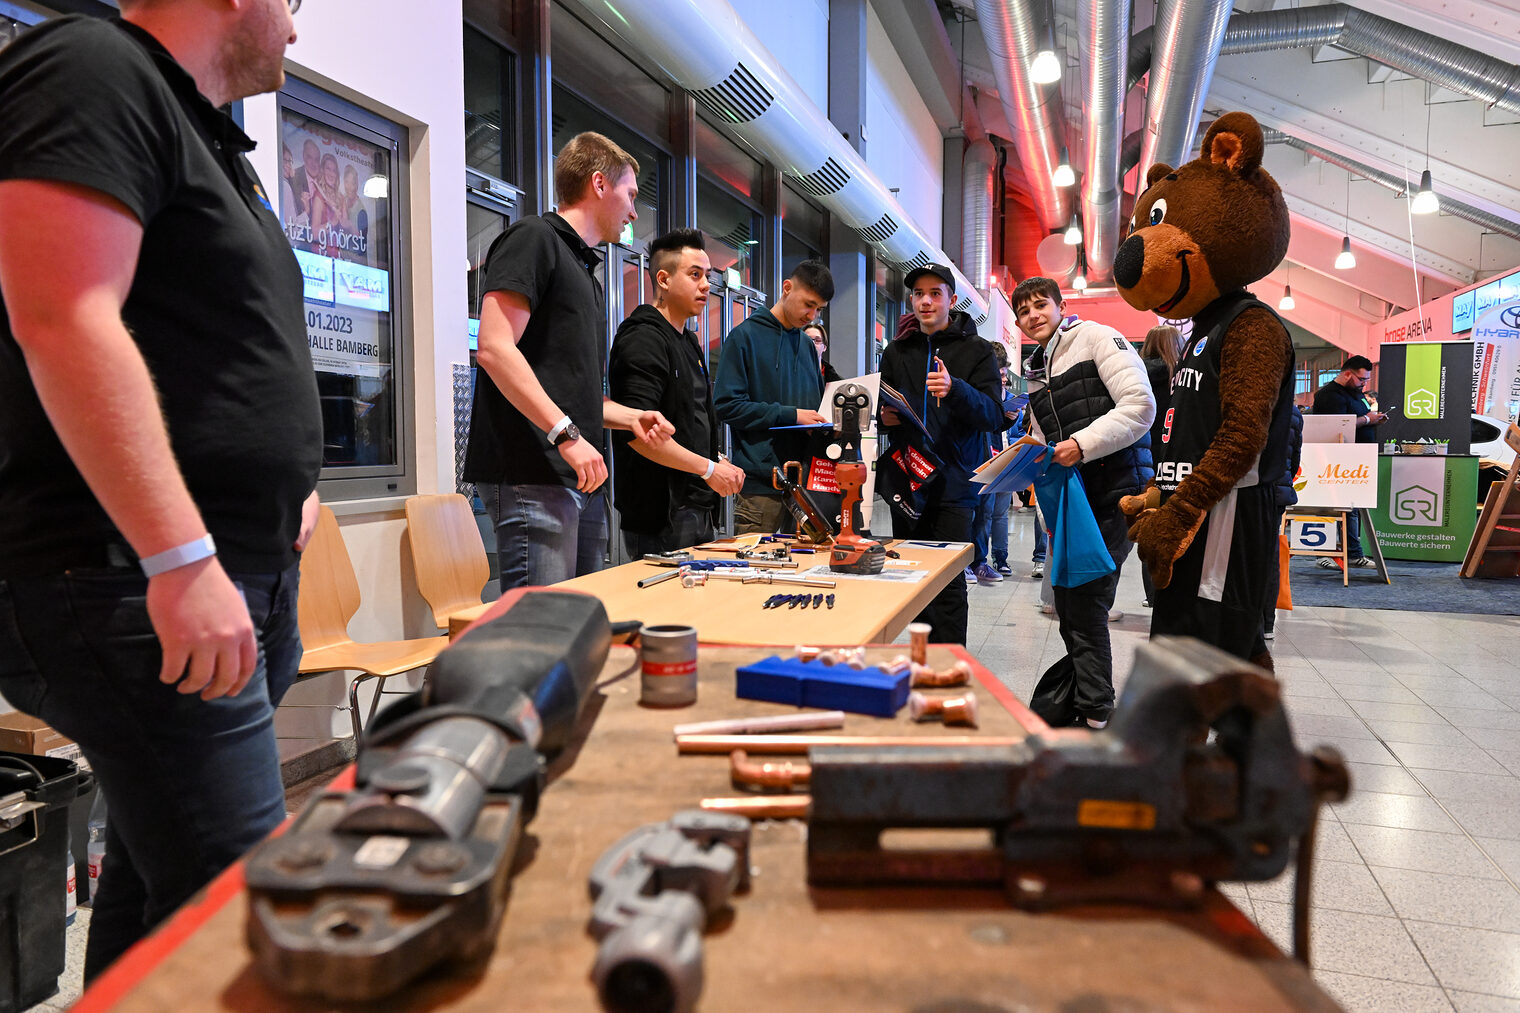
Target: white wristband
{"points": [[180, 555], [558, 428], [711, 467]]}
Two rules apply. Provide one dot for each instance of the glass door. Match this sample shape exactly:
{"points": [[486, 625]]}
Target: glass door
{"points": [[625, 280], [728, 306]]}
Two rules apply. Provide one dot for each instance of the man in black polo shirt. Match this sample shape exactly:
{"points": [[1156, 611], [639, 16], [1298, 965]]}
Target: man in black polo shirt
{"points": [[535, 450], [667, 496], [160, 434], [1343, 396]]}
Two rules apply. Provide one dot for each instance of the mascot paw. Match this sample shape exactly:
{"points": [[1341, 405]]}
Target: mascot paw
{"points": [[1133, 506], [1163, 535]]}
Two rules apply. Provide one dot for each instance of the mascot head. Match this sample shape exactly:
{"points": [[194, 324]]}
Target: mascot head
{"points": [[1215, 225]]}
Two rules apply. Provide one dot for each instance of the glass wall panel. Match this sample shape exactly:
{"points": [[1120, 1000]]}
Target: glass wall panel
{"points": [[732, 229], [573, 116], [490, 101]]}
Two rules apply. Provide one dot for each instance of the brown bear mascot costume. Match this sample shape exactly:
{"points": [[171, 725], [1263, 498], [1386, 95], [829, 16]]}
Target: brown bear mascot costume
{"points": [[1199, 235]]}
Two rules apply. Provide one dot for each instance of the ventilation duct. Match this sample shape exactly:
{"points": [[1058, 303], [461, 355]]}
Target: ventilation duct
{"points": [[1013, 30], [977, 201], [1103, 34], [714, 55], [1416, 53], [1188, 36]]}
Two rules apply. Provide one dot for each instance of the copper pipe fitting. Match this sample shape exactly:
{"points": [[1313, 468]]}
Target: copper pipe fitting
{"points": [[785, 775], [775, 807], [918, 642], [797, 745], [955, 710], [898, 665], [958, 674], [805, 653]]}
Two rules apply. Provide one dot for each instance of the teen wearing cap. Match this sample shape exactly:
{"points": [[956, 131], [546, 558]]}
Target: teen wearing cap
{"points": [[950, 376]]}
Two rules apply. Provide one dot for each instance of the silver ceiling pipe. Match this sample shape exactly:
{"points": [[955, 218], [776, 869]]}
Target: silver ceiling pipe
{"points": [[1188, 36], [705, 47], [977, 203], [1417, 53], [1103, 42], [1013, 30]]}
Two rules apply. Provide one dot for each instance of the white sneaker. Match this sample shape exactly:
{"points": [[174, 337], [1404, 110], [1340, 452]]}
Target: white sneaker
{"points": [[1268, 635], [1049, 610], [1114, 615], [1326, 563], [1038, 573], [1095, 724]]}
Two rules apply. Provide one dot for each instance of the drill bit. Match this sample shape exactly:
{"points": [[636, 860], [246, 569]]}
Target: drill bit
{"points": [[829, 600], [817, 600]]}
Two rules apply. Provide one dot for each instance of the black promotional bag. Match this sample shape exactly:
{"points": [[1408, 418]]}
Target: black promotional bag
{"points": [[1054, 697]]}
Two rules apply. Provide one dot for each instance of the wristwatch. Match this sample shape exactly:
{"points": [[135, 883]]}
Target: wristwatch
{"points": [[567, 434]]}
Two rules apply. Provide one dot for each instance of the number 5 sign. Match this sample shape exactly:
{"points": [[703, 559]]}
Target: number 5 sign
{"points": [[1313, 536]]}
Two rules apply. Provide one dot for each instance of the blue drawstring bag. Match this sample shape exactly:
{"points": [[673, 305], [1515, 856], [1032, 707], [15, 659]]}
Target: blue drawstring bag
{"points": [[1077, 551]]}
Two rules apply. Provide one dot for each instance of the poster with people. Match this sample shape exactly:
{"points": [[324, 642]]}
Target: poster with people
{"points": [[334, 204]]}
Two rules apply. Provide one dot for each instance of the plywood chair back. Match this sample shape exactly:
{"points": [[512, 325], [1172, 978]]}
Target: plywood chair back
{"points": [[449, 556], [329, 590]]}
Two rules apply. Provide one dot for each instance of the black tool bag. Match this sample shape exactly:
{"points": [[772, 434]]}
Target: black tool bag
{"points": [[1054, 696], [904, 471]]}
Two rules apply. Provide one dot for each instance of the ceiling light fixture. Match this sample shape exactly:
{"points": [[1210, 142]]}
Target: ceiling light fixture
{"points": [[1045, 68], [1286, 302], [1079, 283], [1425, 200], [1345, 260], [1063, 175], [1073, 235]]}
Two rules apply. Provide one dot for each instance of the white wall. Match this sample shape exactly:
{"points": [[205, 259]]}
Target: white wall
{"points": [[797, 34], [903, 145]]}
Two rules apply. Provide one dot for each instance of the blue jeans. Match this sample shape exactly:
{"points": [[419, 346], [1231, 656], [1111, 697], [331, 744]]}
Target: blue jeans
{"points": [[545, 533], [991, 528], [192, 784], [1038, 556]]}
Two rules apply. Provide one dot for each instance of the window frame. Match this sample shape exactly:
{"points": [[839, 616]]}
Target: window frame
{"points": [[359, 482]]}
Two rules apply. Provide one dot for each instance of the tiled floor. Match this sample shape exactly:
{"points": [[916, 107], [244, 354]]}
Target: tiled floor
{"points": [[1415, 900]]}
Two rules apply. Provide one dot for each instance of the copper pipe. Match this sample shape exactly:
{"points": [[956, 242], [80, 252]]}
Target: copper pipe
{"points": [[796, 745], [955, 710], [958, 674], [786, 775], [777, 807]]}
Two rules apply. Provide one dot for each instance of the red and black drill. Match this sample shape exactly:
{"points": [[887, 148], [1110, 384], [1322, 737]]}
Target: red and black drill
{"points": [[852, 552]]}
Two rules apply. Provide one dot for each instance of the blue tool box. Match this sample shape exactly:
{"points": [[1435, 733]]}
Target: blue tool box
{"points": [[829, 687]]}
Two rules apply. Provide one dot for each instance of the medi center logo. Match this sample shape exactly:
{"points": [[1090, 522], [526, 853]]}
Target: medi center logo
{"points": [[1417, 506], [1340, 474]]}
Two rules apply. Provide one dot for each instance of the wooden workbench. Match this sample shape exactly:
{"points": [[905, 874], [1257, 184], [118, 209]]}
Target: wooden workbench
{"points": [[728, 612], [786, 947]]}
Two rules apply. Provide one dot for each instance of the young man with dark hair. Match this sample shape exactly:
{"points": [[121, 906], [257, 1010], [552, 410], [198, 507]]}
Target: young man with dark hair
{"points": [[535, 449], [160, 434], [667, 496], [768, 376], [950, 376], [1090, 400], [1344, 396]]}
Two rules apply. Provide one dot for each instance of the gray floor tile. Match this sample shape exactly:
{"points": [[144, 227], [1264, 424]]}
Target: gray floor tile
{"points": [[1483, 818], [1359, 994], [1337, 886], [1505, 853], [1451, 900], [1350, 943], [1473, 960], [1381, 694], [1358, 750], [1380, 777], [1307, 686], [1509, 757], [1492, 738], [1440, 734], [1296, 704], [1449, 757], [1340, 727], [1452, 784], [1420, 849], [1472, 697], [1472, 1002], [1480, 717], [1416, 712], [1331, 843], [1385, 809]]}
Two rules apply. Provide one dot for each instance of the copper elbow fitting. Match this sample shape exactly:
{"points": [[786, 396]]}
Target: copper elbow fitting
{"points": [[764, 775], [954, 710], [958, 674]]}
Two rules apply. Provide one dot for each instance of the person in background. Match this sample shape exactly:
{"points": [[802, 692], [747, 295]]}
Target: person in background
{"points": [[1344, 396], [535, 447], [1283, 496], [1163, 344], [769, 377], [943, 369], [820, 339], [1091, 402], [160, 435], [668, 495], [990, 525]]}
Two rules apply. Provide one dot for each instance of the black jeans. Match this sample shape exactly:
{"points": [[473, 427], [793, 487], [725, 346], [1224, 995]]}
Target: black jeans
{"points": [[191, 784], [1083, 612], [947, 612], [688, 526]]}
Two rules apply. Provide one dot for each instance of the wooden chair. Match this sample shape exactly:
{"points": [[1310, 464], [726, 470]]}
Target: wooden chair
{"points": [[328, 600], [449, 556]]}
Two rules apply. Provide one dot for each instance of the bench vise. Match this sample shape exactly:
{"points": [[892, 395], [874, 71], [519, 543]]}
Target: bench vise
{"points": [[373, 887], [1196, 779]]}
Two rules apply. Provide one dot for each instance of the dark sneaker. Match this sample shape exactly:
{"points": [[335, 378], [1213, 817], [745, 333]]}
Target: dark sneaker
{"points": [[970, 573], [985, 574], [1004, 568]]}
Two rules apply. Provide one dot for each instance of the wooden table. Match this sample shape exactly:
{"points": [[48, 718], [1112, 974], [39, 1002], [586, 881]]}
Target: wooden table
{"points": [[786, 947], [728, 612]]}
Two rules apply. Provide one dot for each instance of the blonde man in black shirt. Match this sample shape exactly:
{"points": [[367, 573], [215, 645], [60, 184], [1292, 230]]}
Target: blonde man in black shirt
{"points": [[160, 434]]}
